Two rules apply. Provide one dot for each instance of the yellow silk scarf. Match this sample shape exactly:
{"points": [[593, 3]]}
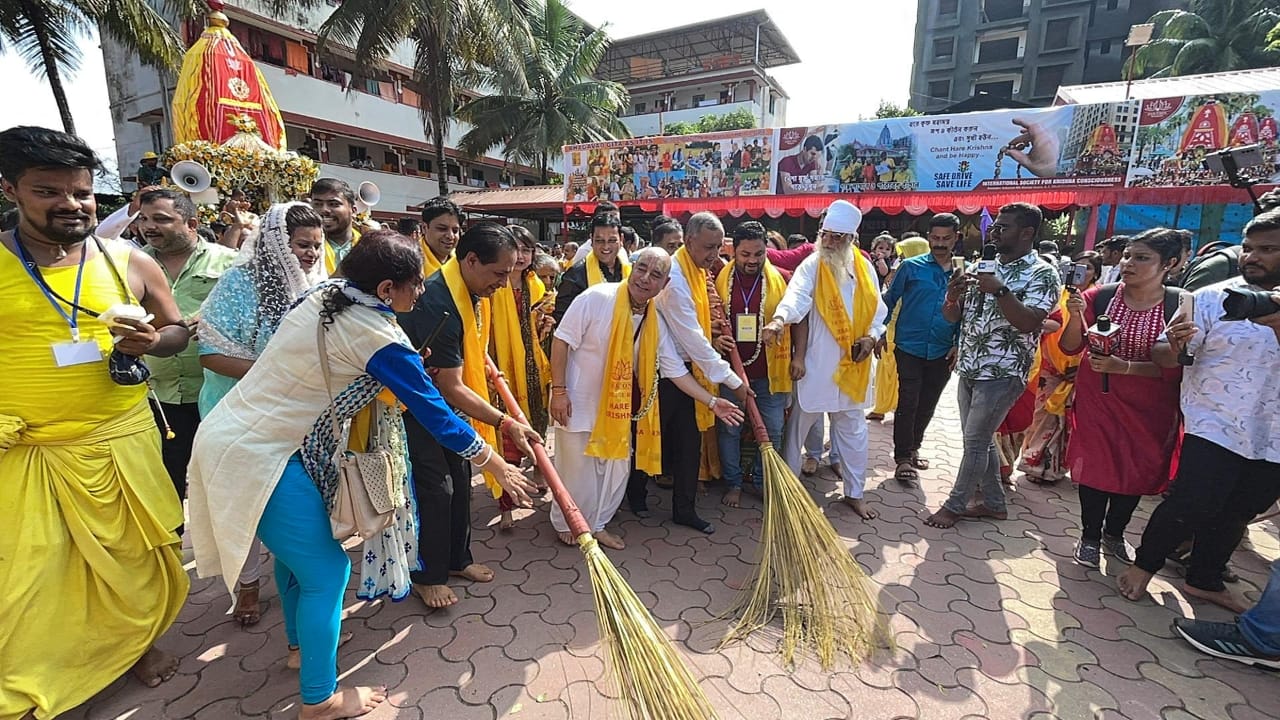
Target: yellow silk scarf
{"points": [[430, 263], [778, 356], [595, 276], [852, 378], [475, 341], [508, 347], [331, 258], [611, 434], [696, 278]]}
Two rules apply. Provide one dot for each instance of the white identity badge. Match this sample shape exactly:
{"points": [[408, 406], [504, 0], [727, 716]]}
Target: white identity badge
{"points": [[66, 354]]}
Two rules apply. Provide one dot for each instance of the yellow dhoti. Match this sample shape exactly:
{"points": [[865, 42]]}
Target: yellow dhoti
{"points": [[90, 566], [92, 570]]}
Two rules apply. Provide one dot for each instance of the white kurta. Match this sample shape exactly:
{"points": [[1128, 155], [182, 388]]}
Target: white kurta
{"points": [[596, 486], [816, 391], [243, 445]]}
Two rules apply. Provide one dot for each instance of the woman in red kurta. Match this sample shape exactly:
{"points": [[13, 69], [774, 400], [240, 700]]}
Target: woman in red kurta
{"points": [[1122, 442]]}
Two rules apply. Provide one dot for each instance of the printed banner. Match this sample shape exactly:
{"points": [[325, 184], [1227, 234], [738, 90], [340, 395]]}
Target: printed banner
{"points": [[1138, 143], [726, 164], [1174, 135], [1050, 147]]}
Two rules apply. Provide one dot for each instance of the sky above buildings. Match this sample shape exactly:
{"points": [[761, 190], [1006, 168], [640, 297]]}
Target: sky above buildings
{"points": [[853, 54]]}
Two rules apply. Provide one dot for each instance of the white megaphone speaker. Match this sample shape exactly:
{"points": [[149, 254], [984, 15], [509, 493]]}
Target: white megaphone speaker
{"points": [[367, 195], [194, 179]]}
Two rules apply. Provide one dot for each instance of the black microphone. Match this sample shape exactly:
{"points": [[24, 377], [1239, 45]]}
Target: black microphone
{"points": [[988, 262]]}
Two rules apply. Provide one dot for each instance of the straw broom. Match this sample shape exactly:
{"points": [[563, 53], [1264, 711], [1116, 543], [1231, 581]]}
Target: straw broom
{"points": [[803, 570], [649, 674]]}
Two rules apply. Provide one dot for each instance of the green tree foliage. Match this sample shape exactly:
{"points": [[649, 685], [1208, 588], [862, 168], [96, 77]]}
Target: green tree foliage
{"points": [[740, 119], [454, 44], [47, 35], [1216, 36], [552, 99], [889, 109]]}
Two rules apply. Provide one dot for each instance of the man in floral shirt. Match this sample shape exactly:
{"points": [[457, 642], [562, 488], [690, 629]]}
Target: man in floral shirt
{"points": [[1000, 314]]}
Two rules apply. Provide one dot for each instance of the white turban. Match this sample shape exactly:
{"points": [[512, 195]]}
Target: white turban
{"points": [[842, 217]]}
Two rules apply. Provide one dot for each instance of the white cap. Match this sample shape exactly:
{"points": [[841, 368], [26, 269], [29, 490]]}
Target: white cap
{"points": [[842, 217]]}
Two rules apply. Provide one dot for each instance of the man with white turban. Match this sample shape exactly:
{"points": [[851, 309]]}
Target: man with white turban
{"points": [[836, 289]]}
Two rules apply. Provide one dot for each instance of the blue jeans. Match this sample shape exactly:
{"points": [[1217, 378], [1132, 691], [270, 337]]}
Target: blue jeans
{"points": [[772, 409], [1260, 624], [311, 574], [983, 406]]}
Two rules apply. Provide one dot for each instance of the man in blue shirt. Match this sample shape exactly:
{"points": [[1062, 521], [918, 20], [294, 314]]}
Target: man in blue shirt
{"points": [[926, 343]]}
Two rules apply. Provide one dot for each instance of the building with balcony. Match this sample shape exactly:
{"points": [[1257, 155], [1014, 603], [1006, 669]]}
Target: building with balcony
{"points": [[707, 68], [331, 112], [1020, 50]]}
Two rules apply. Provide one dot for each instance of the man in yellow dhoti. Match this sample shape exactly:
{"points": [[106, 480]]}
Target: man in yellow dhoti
{"points": [[92, 569]]}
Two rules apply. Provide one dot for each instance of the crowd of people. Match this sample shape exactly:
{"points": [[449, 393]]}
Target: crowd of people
{"points": [[252, 379]]}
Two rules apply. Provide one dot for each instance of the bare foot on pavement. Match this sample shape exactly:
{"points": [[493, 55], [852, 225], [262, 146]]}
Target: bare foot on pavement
{"points": [[347, 702], [436, 596], [944, 519], [154, 667], [609, 540], [1133, 582], [861, 507], [475, 572], [1221, 598], [732, 498]]}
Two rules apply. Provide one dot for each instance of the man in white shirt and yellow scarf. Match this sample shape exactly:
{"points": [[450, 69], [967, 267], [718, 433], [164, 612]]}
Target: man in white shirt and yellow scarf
{"points": [[685, 305], [608, 354], [837, 290]]}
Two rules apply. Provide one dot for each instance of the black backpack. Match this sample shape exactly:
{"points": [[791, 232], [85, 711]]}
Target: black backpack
{"points": [[1102, 300]]}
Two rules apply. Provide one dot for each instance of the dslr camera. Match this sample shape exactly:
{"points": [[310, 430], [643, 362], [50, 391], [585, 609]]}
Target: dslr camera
{"points": [[1244, 303]]}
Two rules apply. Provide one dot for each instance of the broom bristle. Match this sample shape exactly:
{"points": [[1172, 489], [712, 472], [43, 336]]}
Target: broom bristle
{"points": [[654, 682], [806, 572]]}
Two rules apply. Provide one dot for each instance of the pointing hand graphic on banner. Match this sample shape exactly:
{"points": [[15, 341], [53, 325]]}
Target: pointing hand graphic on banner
{"points": [[1043, 158]]}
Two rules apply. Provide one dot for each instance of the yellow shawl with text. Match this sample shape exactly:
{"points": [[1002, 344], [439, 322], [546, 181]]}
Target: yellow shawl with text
{"points": [[611, 434], [778, 355], [475, 320], [852, 378]]}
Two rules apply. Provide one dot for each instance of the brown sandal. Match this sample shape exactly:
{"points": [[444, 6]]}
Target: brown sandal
{"points": [[248, 605]]}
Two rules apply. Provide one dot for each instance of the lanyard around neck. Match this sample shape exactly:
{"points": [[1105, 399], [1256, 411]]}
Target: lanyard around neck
{"points": [[72, 318]]}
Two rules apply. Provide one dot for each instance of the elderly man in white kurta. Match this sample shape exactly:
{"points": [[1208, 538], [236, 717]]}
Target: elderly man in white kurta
{"points": [[607, 356], [836, 289]]}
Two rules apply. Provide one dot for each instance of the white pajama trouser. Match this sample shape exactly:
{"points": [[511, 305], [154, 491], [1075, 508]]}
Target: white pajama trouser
{"points": [[596, 486], [252, 569], [849, 441]]}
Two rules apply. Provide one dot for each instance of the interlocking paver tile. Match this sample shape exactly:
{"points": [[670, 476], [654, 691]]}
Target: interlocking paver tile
{"points": [[939, 702], [1136, 699], [1047, 624], [992, 620], [1202, 696]]}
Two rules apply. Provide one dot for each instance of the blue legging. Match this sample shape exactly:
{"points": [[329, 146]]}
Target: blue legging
{"points": [[311, 574]]}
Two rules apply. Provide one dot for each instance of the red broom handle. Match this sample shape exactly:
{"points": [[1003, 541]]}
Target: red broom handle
{"points": [[572, 515], [735, 360]]}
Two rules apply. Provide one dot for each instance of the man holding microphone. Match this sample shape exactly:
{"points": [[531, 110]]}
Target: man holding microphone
{"points": [[1000, 311]]}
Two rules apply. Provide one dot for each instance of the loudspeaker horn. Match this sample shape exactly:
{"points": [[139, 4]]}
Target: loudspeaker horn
{"points": [[367, 195], [191, 176]]}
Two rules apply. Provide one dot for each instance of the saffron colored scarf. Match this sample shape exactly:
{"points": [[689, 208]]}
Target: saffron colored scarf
{"points": [[475, 339], [778, 355], [852, 378], [696, 278], [611, 435], [595, 276]]}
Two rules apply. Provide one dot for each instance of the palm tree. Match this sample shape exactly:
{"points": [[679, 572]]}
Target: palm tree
{"points": [[1217, 36], [452, 41], [46, 34], [553, 100]]}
